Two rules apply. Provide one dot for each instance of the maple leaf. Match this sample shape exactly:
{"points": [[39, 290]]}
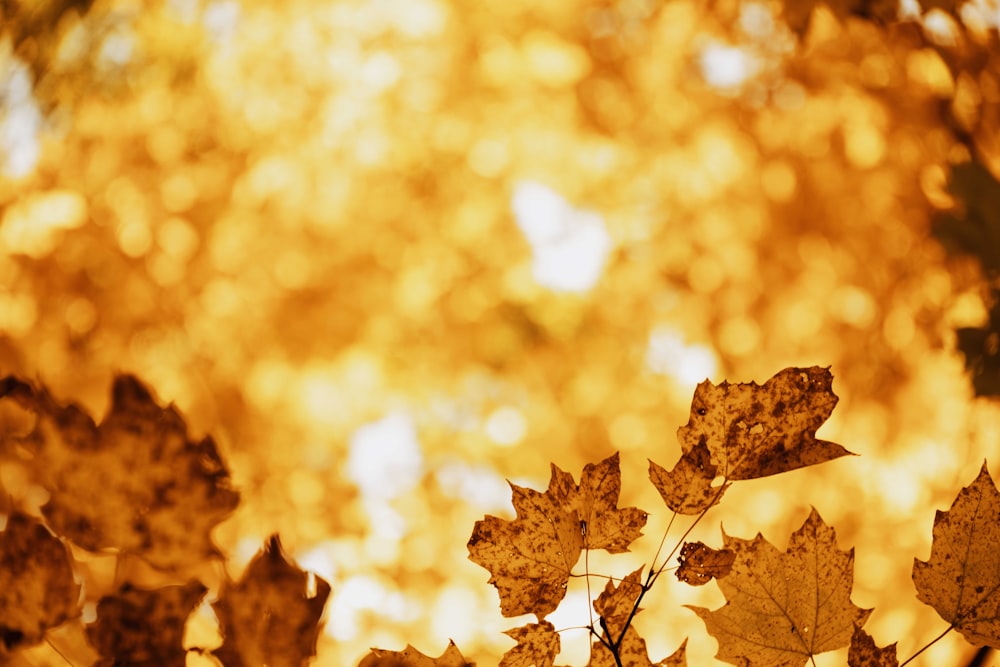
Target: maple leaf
{"points": [[701, 563], [411, 657], [961, 579], [37, 587], [676, 659], [531, 557], [268, 618], [595, 501], [753, 430], [687, 489], [783, 608], [615, 607], [864, 652], [537, 644], [134, 483], [144, 627]]}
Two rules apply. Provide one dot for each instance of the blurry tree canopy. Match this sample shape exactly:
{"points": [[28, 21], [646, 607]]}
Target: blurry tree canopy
{"points": [[390, 253]]}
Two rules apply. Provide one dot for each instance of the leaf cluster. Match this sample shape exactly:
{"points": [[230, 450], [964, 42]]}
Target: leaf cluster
{"points": [[973, 228], [137, 484], [783, 607]]}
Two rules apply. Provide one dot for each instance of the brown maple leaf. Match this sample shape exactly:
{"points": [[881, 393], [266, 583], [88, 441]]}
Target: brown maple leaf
{"points": [[37, 587], [676, 659], [687, 489], [136, 482], [753, 430], [531, 557], [615, 607], [537, 644], [269, 617], [144, 627], [595, 501], [411, 657], [864, 652], [701, 563], [961, 579], [783, 608]]}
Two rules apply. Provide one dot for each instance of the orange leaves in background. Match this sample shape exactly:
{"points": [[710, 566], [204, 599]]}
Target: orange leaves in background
{"points": [[783, 608], [270, 617], [135, 482], [138, 484], [37, 587], [137, 626], [290, 218]]}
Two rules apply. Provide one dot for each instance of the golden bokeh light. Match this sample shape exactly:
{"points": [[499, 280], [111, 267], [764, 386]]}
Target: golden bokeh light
{"points": [[393, 253]]}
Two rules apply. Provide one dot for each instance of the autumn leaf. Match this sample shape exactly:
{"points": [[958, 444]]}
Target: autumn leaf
{"points": [[269, 617], [37, 587], [687, 489], [144, 627], [753, 430], [411, 657], [961, 579], [615, 603], [531, 557], [615, 607], [864, 652], [595, 501], [136, 482], [701, 563], [537, 644], [783, 608], [676, 659]]}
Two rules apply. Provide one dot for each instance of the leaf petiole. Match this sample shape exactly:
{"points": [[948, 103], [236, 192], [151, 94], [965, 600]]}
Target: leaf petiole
{"points": [[655, 572], [927, 645], [60, 653]]}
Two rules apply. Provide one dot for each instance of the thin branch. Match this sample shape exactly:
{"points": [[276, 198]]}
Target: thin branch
{"points": [[60, 653], [586, 571], [655, 572], [927, 645]]}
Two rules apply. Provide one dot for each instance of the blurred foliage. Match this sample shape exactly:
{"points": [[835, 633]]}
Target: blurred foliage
{"points": [[299, 222], [974, 229]]}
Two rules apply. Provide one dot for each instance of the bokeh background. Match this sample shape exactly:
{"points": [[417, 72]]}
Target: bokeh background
{"points": [[391, 253]]}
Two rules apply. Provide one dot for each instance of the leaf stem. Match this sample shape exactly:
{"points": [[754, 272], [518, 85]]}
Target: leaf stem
{"points": [[663, 540], [60, 653], [596, 575], [655, 572], [586, 572], [573, 627], [927, 645], [683, 537]]}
